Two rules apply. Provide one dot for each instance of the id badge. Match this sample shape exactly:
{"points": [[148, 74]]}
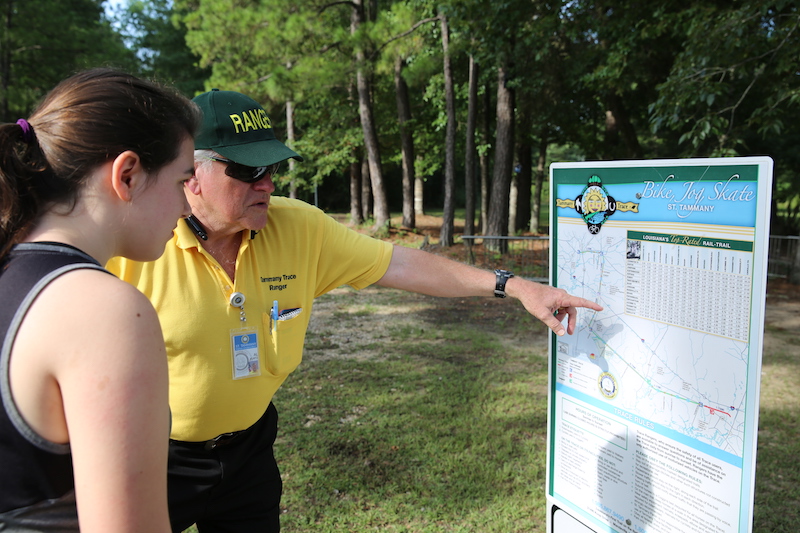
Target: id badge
{"points": [[244, 353]]}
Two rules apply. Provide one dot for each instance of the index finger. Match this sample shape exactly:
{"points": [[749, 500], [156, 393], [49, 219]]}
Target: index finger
{"points": [[577, 301]]}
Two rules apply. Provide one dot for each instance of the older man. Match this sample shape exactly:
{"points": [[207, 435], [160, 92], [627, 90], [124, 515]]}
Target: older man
{"points": [[234, 292]]}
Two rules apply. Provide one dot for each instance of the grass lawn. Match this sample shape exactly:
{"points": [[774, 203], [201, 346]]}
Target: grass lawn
{"points": [[413, 413], [420, 414]]}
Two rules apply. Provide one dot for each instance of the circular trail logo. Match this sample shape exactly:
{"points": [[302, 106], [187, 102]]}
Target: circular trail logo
{"points": [[595, 205], [607, 384]]}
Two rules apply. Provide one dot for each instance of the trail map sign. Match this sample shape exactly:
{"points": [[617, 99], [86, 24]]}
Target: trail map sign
{"points": [[653, 401]]}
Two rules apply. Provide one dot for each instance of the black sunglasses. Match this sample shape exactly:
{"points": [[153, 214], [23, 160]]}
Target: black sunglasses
{"points": [[245, 173]]}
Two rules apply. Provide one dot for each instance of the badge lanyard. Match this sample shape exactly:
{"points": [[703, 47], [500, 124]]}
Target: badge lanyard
{"points": [[244, 344]]}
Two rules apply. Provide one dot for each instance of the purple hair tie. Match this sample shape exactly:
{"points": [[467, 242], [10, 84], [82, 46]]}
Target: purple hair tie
{"points": [[27, 130]]}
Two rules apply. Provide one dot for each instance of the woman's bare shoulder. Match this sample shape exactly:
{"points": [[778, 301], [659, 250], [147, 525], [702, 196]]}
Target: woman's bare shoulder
{"points": [[89, 307]]}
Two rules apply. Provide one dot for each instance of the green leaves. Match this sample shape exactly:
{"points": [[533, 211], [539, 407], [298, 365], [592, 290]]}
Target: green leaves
{"points": [[155, 31], [621, 79], [44, 41], [736, 67]]}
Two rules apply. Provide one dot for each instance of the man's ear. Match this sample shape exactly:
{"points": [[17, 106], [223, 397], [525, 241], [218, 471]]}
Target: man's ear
{"points": [[127, 175], [193, 184]]}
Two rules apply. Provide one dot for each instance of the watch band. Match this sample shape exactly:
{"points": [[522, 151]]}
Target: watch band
{"points": [[500, 284]]}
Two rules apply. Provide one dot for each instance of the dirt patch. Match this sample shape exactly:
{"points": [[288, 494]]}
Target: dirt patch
{"points": [[357, 324], [783, 306], [781, 349]]}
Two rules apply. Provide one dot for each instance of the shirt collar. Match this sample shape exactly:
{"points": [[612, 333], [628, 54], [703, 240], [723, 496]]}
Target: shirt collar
{"points": [[185, 238]]}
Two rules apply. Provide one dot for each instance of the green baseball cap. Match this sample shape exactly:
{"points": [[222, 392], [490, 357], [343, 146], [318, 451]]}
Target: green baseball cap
{"points": [[237, 127]]}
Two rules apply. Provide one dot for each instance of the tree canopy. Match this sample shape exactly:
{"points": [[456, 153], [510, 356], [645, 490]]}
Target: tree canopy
{"points": [[44, 41], [368, 82]]}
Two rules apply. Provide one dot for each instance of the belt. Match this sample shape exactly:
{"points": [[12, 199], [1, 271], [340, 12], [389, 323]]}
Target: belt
{"points": [[220, 441]]}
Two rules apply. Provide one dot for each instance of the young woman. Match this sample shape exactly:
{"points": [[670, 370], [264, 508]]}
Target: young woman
{"points": [[97, 171]]}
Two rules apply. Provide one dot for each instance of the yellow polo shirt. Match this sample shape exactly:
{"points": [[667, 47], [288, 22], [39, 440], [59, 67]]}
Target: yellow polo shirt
{"points": [[302, 253]]}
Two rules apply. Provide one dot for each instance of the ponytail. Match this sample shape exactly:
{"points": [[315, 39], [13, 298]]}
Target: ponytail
{"points": [[22, 164], [85, 121]]}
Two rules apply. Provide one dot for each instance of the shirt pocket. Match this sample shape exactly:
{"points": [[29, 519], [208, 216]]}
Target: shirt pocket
{"points": [[284, 343]]}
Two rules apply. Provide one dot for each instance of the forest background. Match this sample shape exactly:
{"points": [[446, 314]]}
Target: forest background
{"points": [[420, 104], [455, 105]]}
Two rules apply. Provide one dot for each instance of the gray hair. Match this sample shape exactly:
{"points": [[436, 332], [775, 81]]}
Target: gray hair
{"points": [[203, 158]]}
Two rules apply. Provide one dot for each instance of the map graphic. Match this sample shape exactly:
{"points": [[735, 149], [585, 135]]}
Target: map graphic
{"points": [[648, 351]]}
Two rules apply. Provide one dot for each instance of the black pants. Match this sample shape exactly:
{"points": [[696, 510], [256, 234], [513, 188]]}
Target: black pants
{"points": [[233, 488]]}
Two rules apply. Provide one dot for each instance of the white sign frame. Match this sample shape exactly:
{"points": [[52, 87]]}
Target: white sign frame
{"points": [[653, 403]]}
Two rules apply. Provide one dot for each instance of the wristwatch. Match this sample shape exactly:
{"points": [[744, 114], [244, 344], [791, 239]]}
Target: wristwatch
{"points": [[500, 285]]}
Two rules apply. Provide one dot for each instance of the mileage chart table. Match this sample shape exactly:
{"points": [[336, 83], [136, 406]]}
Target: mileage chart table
{"points": [[693, 282]]}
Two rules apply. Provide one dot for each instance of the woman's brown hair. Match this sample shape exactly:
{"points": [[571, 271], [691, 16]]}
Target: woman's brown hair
{"points": [[85, 121]]}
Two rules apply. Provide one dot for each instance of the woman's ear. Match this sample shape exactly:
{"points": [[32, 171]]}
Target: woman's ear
{"points": [[127, 175]]}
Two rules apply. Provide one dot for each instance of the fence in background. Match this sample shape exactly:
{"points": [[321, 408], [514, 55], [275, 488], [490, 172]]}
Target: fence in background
{"points": [[529, 256], [784, 257]]}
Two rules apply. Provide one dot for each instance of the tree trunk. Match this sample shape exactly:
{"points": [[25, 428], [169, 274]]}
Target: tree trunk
{"points": [[381, 207], [522, 173], [290, 143], [446, 232], [469, 159], [503, 158], [483, 158], [419, 203], [5, 61], [525, 160], [356, 215], [371, 10], [513, 195], [366, 190], [406, 143], [536, 201], [619, 128]]}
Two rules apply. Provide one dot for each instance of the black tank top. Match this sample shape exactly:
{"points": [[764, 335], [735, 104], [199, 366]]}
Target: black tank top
{"points": [[36, 480]]}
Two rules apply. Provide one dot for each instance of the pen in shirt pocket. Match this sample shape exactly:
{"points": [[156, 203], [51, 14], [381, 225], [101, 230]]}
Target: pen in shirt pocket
{"points": [[287, 314]]}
